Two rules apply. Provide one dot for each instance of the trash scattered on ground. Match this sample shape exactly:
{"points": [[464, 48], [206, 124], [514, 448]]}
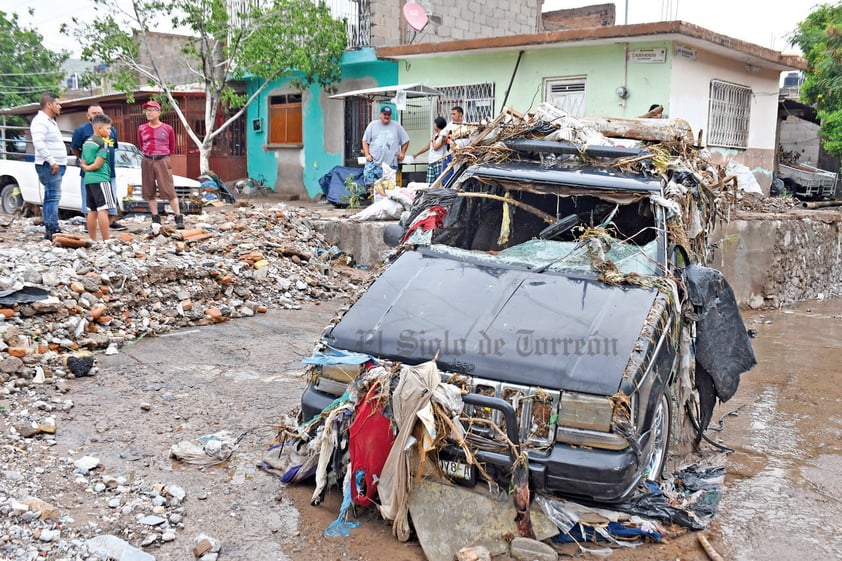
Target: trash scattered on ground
{"points": [[211, 449]]}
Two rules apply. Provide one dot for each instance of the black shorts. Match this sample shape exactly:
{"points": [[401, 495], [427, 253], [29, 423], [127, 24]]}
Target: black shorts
{"points": [[99, 196]]}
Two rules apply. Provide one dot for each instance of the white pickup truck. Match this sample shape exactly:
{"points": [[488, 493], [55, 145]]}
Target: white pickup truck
{"points": [[19, 183]]}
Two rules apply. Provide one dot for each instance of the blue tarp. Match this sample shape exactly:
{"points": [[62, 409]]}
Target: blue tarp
{"points": [[333, 183]]}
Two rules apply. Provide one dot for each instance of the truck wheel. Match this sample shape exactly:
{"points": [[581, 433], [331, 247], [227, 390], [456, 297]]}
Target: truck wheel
{"points": [[661, 430], [12, 201]]}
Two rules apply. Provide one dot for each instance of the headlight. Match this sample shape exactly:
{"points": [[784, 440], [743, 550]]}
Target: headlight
{"points": [[585, 420]]}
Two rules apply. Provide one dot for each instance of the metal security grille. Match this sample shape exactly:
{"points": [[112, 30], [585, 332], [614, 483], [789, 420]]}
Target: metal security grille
{"points": [[728, 114], [476, 99], [416, 116]]}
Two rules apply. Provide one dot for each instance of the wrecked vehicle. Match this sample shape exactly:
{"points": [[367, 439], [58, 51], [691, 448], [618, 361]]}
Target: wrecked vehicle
{"points": [[561, 287]]}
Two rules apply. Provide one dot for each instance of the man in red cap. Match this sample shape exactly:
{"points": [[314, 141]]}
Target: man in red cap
{"points": [[157, 141]]}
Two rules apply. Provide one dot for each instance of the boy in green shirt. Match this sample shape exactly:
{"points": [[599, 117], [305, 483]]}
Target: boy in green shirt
{"points": [[97, 167]]}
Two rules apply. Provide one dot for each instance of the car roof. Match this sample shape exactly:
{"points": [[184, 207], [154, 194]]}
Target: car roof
{"points": [[580, 176]]}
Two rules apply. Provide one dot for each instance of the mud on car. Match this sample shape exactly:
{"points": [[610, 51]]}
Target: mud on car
{"points": [[563, 290]]}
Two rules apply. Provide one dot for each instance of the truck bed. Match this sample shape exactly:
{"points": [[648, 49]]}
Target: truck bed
{"points": [[809, 181]]}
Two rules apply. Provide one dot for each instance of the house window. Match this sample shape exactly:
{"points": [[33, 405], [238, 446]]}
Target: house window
{"points": [[728, 114], [476, 99], [568, 94], [285, 119]]}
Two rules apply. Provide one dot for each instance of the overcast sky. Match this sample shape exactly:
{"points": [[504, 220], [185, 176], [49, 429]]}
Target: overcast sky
{"points": [[762, 22]]}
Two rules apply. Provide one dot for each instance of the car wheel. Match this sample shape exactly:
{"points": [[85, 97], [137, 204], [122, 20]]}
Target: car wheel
{"points": [[661, 430], [12, 201]]}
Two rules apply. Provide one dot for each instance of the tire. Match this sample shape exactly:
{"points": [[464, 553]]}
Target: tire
{"points": [[11, 199], [661, 434]]}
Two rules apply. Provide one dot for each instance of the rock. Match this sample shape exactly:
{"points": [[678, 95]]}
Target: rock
{"points": [[152, 520], [86, 463], [11, 365], [49, 535], [27, 430], [473, 553], [80, 364], [49, 305], [176, 492], [525, 549], [112, 547]]}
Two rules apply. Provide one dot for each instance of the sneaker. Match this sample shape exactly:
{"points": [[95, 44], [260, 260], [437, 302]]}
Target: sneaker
{"points": [[156, 218], [179, 221], [117, 226]]}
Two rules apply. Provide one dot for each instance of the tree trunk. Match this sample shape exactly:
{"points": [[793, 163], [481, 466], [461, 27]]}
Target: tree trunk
{"points": [[204, 157], [660, 130]]}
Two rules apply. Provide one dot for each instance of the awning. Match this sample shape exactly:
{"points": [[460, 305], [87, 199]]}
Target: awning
{"points": [[412, 90]]}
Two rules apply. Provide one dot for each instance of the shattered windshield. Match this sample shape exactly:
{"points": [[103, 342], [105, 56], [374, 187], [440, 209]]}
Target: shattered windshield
{"points": [[568, 256]]}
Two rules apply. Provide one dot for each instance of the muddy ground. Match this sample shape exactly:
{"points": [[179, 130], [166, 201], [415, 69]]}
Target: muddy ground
{"points": [[782, 497]]}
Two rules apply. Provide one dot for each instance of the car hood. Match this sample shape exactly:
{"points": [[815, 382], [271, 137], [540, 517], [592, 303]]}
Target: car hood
{"points": [[133, 176], [501, 323]]}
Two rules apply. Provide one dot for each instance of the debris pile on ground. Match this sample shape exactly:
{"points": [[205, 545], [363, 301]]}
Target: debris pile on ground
{"points": [[227, 265], [754, 202]]}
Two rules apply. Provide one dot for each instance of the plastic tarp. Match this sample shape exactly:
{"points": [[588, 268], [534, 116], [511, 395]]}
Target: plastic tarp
{"points": [[723, 347], [333, 183]]}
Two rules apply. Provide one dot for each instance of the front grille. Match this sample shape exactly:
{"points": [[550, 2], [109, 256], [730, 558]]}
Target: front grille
{"points": [[535, 411]]}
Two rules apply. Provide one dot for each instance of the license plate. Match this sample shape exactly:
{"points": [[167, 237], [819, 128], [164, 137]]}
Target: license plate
{"points": [[456, 470]]}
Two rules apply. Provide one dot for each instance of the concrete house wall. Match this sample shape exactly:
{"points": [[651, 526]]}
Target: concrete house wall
{"points": [[294, 170]]}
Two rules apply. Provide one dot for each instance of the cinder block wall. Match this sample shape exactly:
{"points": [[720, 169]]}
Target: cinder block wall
{"points": [[449, 20]]}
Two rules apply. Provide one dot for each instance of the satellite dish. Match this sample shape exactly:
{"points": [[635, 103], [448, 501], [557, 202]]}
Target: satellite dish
{"points": [[415, 16]]}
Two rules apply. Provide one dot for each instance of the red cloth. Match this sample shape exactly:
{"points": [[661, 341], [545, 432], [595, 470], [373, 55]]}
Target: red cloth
{"points": [[430, 219], [371, 440]]}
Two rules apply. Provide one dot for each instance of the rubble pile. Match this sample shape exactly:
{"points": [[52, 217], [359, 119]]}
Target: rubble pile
{"points": [[129, 510], [230, 265]]}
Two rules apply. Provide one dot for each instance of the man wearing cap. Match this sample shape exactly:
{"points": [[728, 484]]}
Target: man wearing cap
{"points": [[384, 141], [82, 133], [157, 141]]}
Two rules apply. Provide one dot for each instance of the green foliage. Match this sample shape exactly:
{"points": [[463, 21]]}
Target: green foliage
{"points": [[288, 38], [27, 68], [356, 194], [820, 38]]}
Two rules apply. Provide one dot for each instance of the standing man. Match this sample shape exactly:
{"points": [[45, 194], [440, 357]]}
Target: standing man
{"points": [[157, 141], [50, 159], [457, 128], [82, 133], [384, 141]]}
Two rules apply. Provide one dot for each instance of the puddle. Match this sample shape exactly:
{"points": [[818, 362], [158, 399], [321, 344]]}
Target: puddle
{"points": [[783, 489]]}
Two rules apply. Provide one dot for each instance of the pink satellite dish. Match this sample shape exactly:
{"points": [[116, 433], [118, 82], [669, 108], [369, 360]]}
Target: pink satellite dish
{"points": [[415, 16]]}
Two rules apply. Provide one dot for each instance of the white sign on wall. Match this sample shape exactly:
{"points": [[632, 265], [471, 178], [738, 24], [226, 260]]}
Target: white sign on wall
{"points": [[656, 55], [687, 53]]}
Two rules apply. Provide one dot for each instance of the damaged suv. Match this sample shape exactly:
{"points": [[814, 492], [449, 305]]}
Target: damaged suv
{"points": [[561, 289]]}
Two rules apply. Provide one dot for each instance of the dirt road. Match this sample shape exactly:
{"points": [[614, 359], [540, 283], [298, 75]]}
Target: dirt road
{"points": [[781, 499]]}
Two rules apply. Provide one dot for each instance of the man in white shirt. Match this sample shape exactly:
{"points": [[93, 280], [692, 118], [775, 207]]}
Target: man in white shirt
{"points": [[50, 159]]}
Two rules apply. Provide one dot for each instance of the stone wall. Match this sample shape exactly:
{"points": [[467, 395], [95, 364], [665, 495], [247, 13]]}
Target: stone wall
{"points": [[779, 259], [448, 21]]}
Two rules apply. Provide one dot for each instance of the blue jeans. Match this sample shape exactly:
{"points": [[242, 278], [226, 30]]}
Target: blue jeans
{"points": [[111, 211], [52, 195]]}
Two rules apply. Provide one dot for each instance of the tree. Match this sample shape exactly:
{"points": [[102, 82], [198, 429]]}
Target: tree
{"points": [[820, 39], [26, 67], [263, 41]]}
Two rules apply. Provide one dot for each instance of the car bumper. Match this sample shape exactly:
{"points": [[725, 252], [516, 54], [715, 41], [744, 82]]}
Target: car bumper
{"points": [[590, 473]]}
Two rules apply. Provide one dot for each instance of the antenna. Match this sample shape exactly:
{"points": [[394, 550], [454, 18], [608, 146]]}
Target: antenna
{"points": [[415, 16]]}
